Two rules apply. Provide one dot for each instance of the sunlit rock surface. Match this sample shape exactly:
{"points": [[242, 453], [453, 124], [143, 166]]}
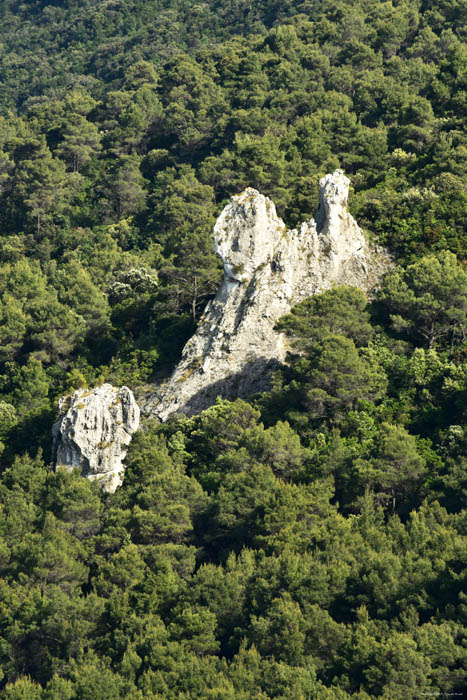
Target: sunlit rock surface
{"points": [[93, 432], [267, 269]]}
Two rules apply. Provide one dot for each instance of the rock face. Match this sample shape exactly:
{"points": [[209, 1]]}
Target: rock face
{"points": [[94, 431], [267, 269]]}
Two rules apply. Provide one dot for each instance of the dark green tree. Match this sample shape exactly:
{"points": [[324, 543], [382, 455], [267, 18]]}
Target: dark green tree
{"points": [[427, 302]]}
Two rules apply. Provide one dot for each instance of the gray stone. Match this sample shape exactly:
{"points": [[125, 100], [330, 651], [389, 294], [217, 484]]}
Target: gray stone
{"points": [[267, 269], [93, 432]]}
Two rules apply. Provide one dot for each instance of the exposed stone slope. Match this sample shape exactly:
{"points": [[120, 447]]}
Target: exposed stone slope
{"points": [[267, 269], [94, 431]]}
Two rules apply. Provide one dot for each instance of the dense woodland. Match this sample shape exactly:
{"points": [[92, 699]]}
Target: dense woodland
{"points": [[311, 542]]}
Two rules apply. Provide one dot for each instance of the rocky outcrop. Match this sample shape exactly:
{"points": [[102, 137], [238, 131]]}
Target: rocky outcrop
{"points": [[93, 432], [267, 269]]}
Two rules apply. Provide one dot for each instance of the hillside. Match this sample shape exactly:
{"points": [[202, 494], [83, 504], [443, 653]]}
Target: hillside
{"points": [[306, 542], [48, 48]]}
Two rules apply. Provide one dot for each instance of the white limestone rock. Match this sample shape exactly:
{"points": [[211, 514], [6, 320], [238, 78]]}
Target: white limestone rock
{"points": [[267, 269], [93, 432]]}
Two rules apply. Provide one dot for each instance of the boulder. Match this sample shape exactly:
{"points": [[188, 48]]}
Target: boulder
{"points": [[93, 432]]}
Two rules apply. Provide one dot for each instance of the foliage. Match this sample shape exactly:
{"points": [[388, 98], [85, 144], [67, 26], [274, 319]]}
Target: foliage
{"points": [[309, 543]]}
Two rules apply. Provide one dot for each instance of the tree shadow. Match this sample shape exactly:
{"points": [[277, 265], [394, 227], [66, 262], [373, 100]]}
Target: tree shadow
{"points": [[254, 378]]}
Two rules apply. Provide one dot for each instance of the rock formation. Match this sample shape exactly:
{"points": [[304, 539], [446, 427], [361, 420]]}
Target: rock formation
{"points": [[93, 432], [267, 269]]}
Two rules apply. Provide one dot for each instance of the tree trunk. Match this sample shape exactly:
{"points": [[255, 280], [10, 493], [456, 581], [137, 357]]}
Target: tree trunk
{"points": [[194, 299]]}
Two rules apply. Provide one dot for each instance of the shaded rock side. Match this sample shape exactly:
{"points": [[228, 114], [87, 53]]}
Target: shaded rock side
{"points": [[267, 269], [94, 431]]}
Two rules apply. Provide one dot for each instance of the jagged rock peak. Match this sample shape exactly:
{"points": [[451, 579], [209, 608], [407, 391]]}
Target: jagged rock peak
{"points": [[334, 192], [267, 269], [246, 234], [93, 432]]}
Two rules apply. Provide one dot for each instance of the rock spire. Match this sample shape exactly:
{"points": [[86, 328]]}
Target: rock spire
{"points": [[267, 269]]}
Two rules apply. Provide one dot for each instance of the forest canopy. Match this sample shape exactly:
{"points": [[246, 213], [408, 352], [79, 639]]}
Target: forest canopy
{"points": [[309, 542]]}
